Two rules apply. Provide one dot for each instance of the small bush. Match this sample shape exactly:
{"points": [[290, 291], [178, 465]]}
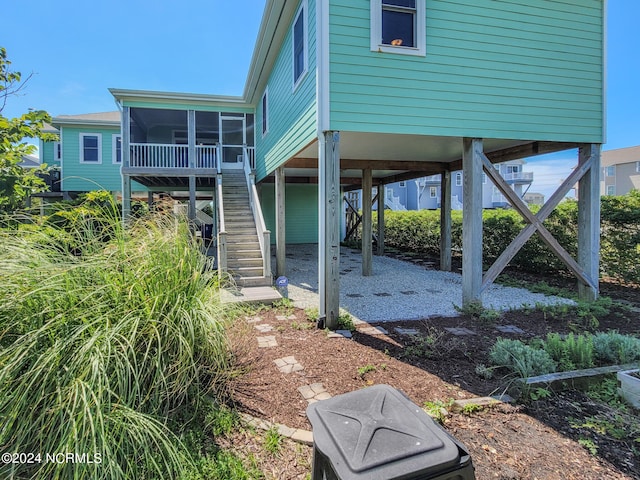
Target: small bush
{"points": [[615, 348], [521, 359]]}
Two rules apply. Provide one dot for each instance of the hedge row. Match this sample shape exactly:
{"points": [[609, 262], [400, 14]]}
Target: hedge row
{"points": [[419, 231]]}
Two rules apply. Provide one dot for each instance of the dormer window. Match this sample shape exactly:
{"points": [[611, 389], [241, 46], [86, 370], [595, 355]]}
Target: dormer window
{"points": [[398, 26]]}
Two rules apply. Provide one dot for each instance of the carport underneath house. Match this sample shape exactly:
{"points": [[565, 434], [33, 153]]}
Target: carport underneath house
{"points": [[343, 161]]}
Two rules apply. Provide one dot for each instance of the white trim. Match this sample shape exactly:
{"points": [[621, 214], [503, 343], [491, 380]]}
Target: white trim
{"points": [[81, 137], [304, 10], [114, 148], [264, 112], [420, 26]]}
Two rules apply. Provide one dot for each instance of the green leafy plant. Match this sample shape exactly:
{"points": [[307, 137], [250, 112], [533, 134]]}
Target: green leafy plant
{"points": [[613, 347], [273, 441], [589, 445], [437, 409], [539, 393], [521, 359], [362, 371], [345, 322]]}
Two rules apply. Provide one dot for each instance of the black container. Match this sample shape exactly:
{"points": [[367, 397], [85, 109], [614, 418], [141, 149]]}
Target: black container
{"points": [[378, 434]]}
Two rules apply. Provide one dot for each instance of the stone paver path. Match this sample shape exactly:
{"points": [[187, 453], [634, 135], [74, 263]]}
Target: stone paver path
{"points": [[288, 365], [509, 329], [314, 392], [340, 334], [264, 328], [460, 331], [373, 331], [267, 342], [407, 331]]}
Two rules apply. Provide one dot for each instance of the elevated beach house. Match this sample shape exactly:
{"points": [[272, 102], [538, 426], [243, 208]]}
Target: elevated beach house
{"points": [[357, 94]]}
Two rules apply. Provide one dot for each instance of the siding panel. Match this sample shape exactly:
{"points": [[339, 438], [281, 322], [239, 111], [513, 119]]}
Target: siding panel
{"points": [[497, 69]]}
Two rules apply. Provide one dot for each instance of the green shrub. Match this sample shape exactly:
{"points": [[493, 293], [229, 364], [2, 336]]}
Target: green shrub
{"points": [[521, 359], [615, 348], [98, 349]]}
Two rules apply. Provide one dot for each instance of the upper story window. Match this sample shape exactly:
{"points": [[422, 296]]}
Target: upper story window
{"points": [[433, 192], [402, 184], [398, 26], [513, 168], [458, 179], [57, 151], [300, 56], [610, 171], [90, 148], [265, 112], [116, 148], [611, 189], [638, 167]]}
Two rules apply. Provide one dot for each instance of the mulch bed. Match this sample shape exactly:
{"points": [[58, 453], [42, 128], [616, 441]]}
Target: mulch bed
{"points": [[538, 440]]}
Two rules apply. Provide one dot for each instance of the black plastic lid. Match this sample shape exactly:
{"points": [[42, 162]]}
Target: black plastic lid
{"points": [[378, 432]]}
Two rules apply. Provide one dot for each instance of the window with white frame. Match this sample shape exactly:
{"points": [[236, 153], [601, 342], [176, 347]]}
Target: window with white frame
{"points": [[300, 48], [458, 179], [610, 171], [433, 192], [611, 189], [116, 148], [398, 26], [637, 167], [513, 168], [90, 148], [265, 113]]}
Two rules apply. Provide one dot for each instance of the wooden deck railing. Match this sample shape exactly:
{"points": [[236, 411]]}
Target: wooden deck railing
{"points": [[168, 156], [264, 235]]}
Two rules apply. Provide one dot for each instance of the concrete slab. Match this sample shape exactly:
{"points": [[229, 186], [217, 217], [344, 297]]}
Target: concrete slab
{"points": [[263, 295]]}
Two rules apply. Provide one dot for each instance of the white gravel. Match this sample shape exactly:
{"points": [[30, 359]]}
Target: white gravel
{"points": [[397, 290]]}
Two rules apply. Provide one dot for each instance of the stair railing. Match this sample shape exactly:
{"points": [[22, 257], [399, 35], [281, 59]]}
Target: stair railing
{"points": [[219, 158], [222, 231], [264, 235]]}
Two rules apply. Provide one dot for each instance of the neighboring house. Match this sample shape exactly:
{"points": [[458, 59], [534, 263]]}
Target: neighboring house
{"points": [[425, 192], [345, 95], [30, 161], [534, 198], [620, 171]]}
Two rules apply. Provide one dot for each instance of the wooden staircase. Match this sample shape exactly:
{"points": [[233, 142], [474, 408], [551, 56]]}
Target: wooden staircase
{"points": [[244, 257]]}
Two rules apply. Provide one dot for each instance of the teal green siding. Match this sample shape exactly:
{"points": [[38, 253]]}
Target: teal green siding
{"points": [[82, 177], [301, 212], [46, 155], [291, 113], [494, 69]]}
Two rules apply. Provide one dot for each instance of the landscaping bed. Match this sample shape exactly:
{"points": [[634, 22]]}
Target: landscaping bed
{"points": [[547, 434]]}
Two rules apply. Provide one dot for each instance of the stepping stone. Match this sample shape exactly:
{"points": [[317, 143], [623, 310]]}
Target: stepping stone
{"points": [[314, 392], [340, 334], [264, 328], [267, 342], [354, 295], [253, 319], [460, 331], [407, 331], [373, 331], [409, 292], [382, 294], [288, 365], [509, 329]]}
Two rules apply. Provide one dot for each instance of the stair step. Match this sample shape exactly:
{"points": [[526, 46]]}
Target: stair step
{"points": [[245, 271], [241, 238], [238, 247], [257, 281], [235, 263]]}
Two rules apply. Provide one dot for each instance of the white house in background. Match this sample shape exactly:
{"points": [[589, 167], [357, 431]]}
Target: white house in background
{"points": [[620, 171], [424, 193]]}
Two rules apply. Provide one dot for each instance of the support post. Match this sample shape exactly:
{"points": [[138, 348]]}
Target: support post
{"points": [[367, 224], [381, 192], [150, 200], [329, 228], [445, 221], [126, 197], [192, 200], [281, 259], [472, 222], [191, 138], [589, 221]]}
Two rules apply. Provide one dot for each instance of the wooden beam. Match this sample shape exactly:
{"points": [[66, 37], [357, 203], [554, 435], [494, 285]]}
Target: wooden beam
{"points": [[192, 200], [589, 221], [472, 222], [381, 200], [126, 197], [359, 164], [535, 223], [445, 221], [329, 229], [367, 224], [281, 259]]}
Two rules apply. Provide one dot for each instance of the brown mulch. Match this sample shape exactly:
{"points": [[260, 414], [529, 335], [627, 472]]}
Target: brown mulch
{"points": [[536, 440]]}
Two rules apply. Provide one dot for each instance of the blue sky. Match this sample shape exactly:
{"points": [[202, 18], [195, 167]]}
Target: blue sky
{"points": [[78, 49]]}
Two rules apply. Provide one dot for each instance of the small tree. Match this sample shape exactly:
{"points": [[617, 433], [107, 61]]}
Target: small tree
{"points": [[17, 183]]}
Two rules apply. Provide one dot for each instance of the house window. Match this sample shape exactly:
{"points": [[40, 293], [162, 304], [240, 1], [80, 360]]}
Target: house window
{"points": [[265, 113], [90, 148], [458, 179], [611, 189], [57, 151], [433, 192], [116, 148], [610, 171], [398, 26], [300, 45], [402, 184], [513, 168], [637, 167]]}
